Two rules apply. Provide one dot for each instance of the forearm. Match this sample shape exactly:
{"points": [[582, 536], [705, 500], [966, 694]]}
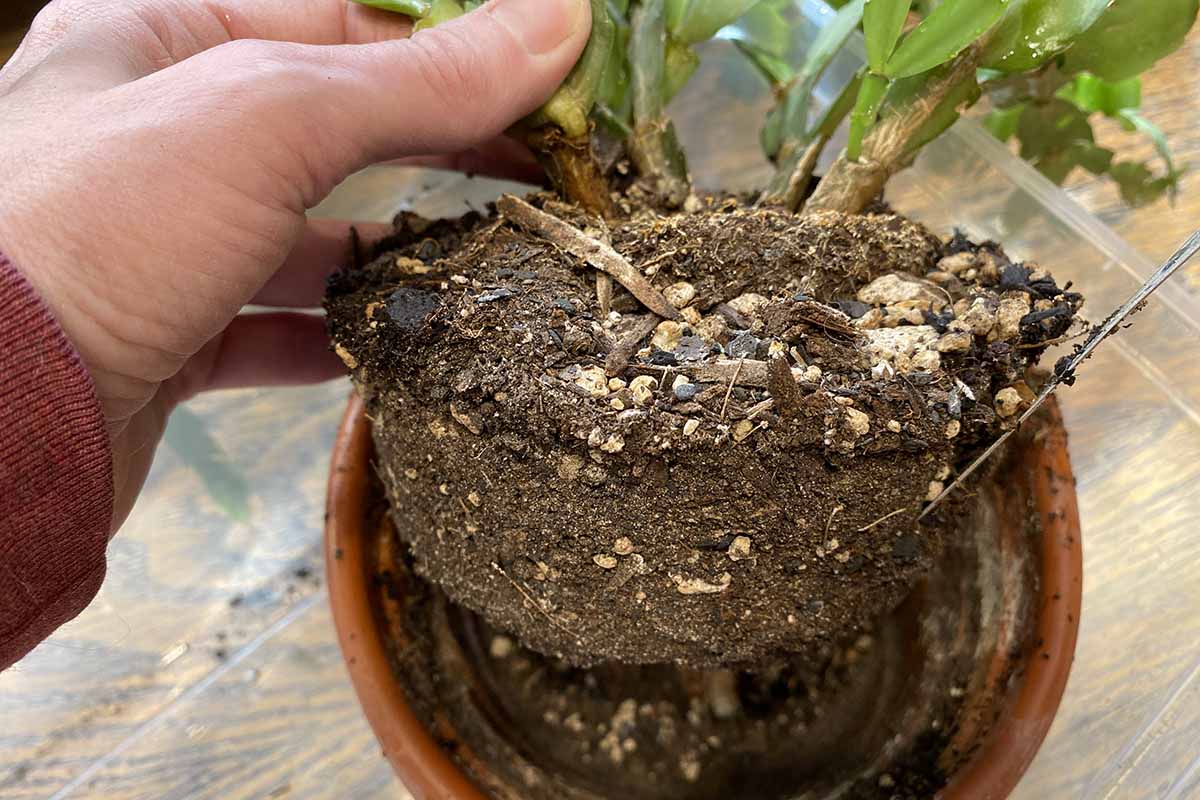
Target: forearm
{"points": [[56, 493]]}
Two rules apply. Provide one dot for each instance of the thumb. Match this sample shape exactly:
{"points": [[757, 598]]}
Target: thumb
{"points": [[465, 81], [446, 89]]}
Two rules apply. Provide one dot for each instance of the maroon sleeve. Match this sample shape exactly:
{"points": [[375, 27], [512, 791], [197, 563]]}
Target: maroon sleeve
{"points": [[56, 491]]}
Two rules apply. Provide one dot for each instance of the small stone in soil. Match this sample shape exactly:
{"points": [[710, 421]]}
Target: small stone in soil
{"points": [[952, 428], [613, 444], [662, 358], [748, 304], [680, 294], [686, 391], [954, 342], [604, 561], [744, 345], [642, 388], [667, 335], [692, 348], [739, 548], [622, 546], [742, 430], [690, 427], [894, 426], [1008, 402], [501, 646], [858, 422]]}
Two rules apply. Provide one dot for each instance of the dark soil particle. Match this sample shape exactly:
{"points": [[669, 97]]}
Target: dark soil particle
{"points": [[522, 434]]}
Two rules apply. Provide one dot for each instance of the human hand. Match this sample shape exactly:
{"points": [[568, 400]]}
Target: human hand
{"points": [[157, 158]]}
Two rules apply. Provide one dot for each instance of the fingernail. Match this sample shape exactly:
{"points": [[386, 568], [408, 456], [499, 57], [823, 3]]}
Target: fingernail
{"points": [[541, 25]]}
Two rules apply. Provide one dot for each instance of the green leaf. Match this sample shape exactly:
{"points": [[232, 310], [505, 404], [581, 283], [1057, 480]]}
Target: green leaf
{"points": [[614, 102], [1155, 134], [838, 109], [775, 70], [441, 11], [883, 21], [1092, 157], [189, 437], [1089, 93], [763, 35], [1048, 128], [681, 64], [943, 34], [770, 136], [418, 9], [1002, 123], [675, 11], [764, 27], [1034, 31], [866, 108], [701, 19], [827, 44], [1138, 184], [1130, 36], [830, 40]]}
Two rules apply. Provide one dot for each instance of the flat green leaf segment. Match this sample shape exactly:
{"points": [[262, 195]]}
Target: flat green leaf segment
{"points": [[1130, 36], [942, 35], [883, 20], [1034, 31]]}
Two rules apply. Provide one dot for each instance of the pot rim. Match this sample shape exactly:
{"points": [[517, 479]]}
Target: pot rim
{"points": [[428, 772]]}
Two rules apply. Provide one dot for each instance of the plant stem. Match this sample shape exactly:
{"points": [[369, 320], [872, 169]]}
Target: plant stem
{"points": [[653, 145], [573, 169], [798, 156], [849, 186]]}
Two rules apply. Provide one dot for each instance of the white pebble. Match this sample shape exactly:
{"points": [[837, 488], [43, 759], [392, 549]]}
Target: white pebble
{"points": [[680, 294], [858, 422], [642, 388], [501, 647], [1008, 402], [739, 548]]}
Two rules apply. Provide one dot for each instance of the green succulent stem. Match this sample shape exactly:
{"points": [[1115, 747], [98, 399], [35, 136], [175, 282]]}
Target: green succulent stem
{"points": [[798, 157], [851, 185], [653, 144], [559, 133]]}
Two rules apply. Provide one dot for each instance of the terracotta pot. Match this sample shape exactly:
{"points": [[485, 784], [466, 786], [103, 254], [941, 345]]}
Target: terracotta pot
{"points": [[1034, 571]]}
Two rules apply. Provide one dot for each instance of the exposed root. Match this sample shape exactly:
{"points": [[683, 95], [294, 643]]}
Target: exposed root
{"points": [[579, 244]]}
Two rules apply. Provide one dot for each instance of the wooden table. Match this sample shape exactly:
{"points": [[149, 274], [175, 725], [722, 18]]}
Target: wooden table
{"points": [[208, 667]]}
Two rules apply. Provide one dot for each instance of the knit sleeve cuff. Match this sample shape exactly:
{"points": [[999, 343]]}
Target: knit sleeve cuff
{"points": [[56, 483]]}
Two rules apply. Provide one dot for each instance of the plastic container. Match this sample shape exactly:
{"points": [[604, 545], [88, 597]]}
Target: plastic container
{"points": [[209, 667]]}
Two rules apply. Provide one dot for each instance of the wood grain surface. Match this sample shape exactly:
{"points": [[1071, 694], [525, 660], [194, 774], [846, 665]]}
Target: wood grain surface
{"points": [[208, 666]]}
